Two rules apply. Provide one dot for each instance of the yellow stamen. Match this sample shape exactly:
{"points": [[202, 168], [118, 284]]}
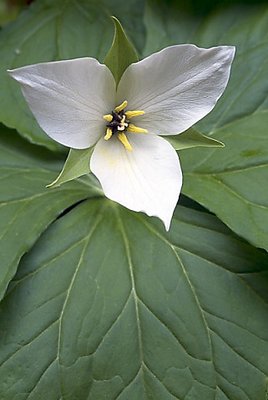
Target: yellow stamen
{"points": [[108, 117], [135, 129], [136, 113], [121, 107], [124, 140], [109, 133]]}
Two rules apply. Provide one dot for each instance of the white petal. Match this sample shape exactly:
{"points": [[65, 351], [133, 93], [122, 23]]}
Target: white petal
{"points": [[68, 98], [176, 87], [147, 179]]}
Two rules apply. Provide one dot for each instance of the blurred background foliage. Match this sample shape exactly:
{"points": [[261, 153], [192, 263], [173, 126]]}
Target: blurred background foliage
{"points": [[9, 9], [198, 7]]}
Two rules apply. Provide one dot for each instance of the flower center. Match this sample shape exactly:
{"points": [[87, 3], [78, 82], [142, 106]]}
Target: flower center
{"points": [[119, 124]]}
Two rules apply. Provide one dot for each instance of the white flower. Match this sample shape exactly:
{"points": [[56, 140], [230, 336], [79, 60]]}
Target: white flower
{"points": [[77, 103]]}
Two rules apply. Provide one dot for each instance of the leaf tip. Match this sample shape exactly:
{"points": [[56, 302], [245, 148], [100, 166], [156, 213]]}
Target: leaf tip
{"points": [[115, 19], [122, 52], [220, 144], [53, 184]]}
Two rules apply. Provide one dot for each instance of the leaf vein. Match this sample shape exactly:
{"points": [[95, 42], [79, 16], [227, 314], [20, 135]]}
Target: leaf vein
{"points": [[238, 353]]}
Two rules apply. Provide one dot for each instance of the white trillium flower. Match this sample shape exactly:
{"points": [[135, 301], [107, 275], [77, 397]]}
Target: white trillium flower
{"points": [[77, 103]]}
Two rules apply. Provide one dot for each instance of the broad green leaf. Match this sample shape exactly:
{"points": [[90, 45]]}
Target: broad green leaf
{"points": [[192, 138], [54, 30], [76, 165], [233, 182], [121, 54], [245, 28], [247, 89], [166, 25], [118, 309], [26, 206], [240, 184]]}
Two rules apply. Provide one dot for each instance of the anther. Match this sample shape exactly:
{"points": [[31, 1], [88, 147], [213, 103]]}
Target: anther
{"points": [[109, 133], [136, 113], [121, 107], [135, 129], [124, 140], [108, 117]]}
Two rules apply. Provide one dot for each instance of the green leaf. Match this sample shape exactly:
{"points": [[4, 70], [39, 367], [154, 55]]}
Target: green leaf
{"points": [[167, 24], [26, 206], [76, 165], [233, 182], [243, 27], [54, 30], [121, 54], [118, 309], [247, 89], [192, 138], [237, 176]]}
